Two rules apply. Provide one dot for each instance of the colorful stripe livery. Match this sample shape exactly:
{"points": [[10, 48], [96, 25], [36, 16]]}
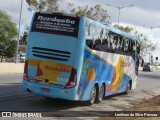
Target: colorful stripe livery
{"points": [[59, 64]]}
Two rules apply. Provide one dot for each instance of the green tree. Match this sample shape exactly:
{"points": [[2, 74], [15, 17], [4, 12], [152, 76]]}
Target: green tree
{"points": [[126, 29], [97, 12], [43, 5], [24, 36], [8, 34], [145, 44]]}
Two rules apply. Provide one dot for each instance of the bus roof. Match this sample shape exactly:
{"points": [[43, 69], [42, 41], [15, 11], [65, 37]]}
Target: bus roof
{"points": [[113, 29], [108, 27]]}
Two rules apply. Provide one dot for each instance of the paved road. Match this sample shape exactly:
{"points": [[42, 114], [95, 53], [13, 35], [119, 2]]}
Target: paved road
{"points": [[13, 98]]}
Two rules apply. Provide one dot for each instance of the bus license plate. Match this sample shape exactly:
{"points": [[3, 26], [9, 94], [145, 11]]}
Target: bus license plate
{"points": [[45, 90]]}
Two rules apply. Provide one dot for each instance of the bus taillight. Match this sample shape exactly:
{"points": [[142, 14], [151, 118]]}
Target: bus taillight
{"points": [[72, 80], [25, 74]]}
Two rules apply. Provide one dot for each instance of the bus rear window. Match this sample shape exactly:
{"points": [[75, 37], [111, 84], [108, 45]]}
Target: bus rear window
{"points": [[56, 24]]}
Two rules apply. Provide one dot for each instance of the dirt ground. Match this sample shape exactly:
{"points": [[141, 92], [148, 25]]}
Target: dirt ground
{"points": [[152, 104]]}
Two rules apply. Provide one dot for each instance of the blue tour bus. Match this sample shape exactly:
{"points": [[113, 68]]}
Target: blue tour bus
{"points": [[76, 58]]}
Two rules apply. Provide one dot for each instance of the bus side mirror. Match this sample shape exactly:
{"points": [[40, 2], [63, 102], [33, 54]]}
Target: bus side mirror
{"points": [[138, 49], [142, 63]]}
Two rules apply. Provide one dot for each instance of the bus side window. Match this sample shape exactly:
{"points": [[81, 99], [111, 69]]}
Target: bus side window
{"points": [[105, 41], [117, 44], [97, 44], [111, 50], [129, 47], [111, 42], [126, 41], [121, 46], [89, 43], [104, 46]]}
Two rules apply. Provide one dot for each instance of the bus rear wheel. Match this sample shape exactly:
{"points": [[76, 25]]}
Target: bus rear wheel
{"points": [[100, 94], [92, 96]]}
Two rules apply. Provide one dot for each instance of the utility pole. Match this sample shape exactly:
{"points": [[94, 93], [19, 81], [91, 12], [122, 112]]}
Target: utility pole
{"points": [[151, 28], [119, 9], [19, 32]]}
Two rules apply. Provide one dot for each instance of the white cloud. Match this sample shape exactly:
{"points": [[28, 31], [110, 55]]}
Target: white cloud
{"points": [[12, 7]]}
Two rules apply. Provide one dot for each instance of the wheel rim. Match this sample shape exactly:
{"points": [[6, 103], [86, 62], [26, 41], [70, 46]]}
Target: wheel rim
{"points": [[93, 95], [101, 93]]}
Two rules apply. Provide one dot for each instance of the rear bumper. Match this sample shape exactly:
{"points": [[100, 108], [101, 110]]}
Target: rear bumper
{"points": [[68, 94]]}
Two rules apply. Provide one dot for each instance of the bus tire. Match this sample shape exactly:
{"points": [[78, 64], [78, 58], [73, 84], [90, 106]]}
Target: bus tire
{"points": [[100, 94], [93, 94], [128, 87]]}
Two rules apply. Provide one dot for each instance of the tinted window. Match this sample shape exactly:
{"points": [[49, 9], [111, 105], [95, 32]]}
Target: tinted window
{"points": [[95, 36], [101, 39]]}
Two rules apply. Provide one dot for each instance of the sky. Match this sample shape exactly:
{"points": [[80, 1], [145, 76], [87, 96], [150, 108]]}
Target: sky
{"points": [[143, 12]]}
